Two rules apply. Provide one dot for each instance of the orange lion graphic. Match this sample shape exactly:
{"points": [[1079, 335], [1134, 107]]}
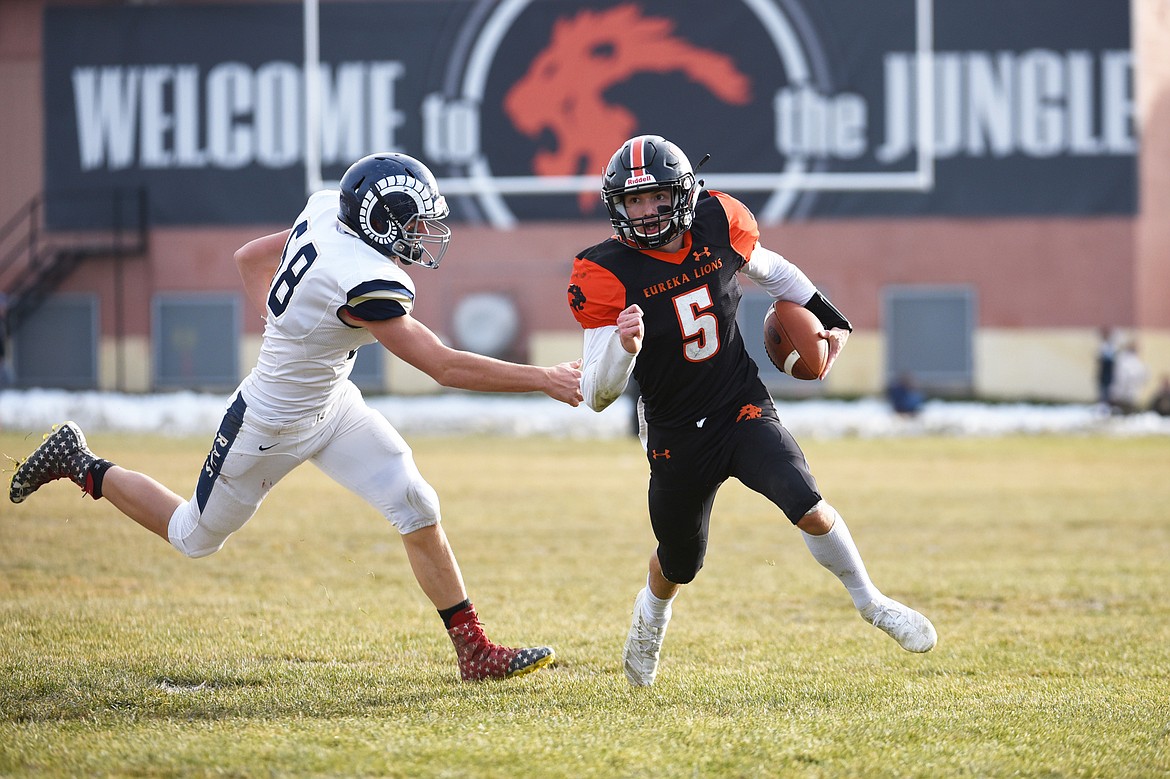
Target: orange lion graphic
{"points": [[563, 91], [750, 411]]}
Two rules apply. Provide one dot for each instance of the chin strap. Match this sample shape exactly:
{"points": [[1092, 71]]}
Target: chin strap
{"points": [[408, 252]]}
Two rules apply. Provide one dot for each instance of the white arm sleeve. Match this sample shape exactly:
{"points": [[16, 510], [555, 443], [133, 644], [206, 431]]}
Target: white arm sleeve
{"points": [[778, 277], [605, 367]]}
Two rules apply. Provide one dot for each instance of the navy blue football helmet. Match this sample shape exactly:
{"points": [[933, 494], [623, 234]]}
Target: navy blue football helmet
{"points": [[392, 202]]}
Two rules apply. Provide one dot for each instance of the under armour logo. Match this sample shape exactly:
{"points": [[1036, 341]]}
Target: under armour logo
{"points": [[664, 454], [700, 256], [749, 412], [576, 297]]}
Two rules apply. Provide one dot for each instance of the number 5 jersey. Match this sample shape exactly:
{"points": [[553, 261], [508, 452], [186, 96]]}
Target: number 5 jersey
{"points": [[693, 361]]}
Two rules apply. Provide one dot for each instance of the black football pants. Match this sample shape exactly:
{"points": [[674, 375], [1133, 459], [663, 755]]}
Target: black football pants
{"points": [[689, 464]]}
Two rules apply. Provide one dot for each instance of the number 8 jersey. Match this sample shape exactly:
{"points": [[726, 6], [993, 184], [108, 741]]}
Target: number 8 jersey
{"points": [[308, 351], [693, 360]]}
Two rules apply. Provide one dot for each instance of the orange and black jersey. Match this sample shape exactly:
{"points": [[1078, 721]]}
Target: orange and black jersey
{"points": [[693, 361]]}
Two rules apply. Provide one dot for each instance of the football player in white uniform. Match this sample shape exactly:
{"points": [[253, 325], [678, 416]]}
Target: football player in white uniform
{"points": [[330, 284]]}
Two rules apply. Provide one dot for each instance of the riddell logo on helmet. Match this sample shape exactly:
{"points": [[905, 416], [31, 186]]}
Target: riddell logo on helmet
{"points": [[634, 181]]}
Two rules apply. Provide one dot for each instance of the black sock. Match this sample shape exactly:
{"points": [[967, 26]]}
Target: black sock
{"points": [[95, 474], [449, 614]]}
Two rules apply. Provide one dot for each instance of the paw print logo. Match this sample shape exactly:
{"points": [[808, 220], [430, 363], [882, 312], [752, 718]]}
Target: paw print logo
{"points": [[576, 297], [749, 411]]}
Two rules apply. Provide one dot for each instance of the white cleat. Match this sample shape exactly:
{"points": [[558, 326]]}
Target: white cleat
{"points": [[911, 630], [643, 645]]}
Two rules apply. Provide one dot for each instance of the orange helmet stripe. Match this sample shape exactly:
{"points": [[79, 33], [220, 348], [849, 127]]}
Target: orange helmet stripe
{"points": [[638, 153]]}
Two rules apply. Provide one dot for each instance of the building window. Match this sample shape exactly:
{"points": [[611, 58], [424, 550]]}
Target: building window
{"points": [[929, 335], [57, 346], [196, 342]]}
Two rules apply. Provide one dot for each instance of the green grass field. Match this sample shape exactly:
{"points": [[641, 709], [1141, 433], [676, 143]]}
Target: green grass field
{"points": [[304, 648]]}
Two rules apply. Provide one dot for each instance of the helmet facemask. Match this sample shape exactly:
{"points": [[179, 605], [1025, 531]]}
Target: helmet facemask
{"points": [[423, 242], [670, 221], [402, 218]]}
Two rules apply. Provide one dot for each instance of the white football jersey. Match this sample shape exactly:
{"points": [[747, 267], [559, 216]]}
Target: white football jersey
{"points": [[308, 352]]}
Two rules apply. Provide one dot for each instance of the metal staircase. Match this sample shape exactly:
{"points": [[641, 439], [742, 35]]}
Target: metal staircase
{"points": [[35, 259]]}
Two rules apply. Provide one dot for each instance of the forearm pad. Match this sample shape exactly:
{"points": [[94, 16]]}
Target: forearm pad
{"points": [[826, 312], [605, 367]]}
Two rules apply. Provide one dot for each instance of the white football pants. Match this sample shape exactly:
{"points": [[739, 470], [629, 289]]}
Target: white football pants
{"points": [[351, 443]]}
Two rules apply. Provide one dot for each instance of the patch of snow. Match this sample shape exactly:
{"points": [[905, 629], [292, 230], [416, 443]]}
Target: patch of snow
{"points": [[195, 414]]}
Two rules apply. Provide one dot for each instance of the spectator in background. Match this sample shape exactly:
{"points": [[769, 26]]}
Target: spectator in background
{"points": [[1129, 378], [1160, 403], [1106, 357], [905, 396]]}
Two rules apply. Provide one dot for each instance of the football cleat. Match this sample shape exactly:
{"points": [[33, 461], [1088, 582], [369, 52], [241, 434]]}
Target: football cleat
{"points": [[911, 630], [62, 455], [480, 659], [643, 647]]}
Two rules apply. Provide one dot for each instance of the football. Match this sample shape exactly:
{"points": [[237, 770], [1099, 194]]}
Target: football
{"points": [[790, 338]]}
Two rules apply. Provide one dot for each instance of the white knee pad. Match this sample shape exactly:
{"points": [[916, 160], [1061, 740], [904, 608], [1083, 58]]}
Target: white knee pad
{"points": [[422, 507], [189, 536]]}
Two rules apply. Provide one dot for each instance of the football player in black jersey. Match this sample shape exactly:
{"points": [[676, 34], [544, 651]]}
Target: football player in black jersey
{"points": [[657, 301]]}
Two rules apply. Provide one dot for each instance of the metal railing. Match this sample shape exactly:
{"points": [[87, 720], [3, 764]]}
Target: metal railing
{"points": [[36, 256]]}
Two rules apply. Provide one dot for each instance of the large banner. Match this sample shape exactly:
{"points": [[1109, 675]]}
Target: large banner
{"points": [[808, 108]]}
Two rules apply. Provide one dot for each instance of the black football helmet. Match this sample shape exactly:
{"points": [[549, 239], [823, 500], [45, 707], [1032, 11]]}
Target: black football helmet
{"points": [[392, 202], [646, 163]]}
